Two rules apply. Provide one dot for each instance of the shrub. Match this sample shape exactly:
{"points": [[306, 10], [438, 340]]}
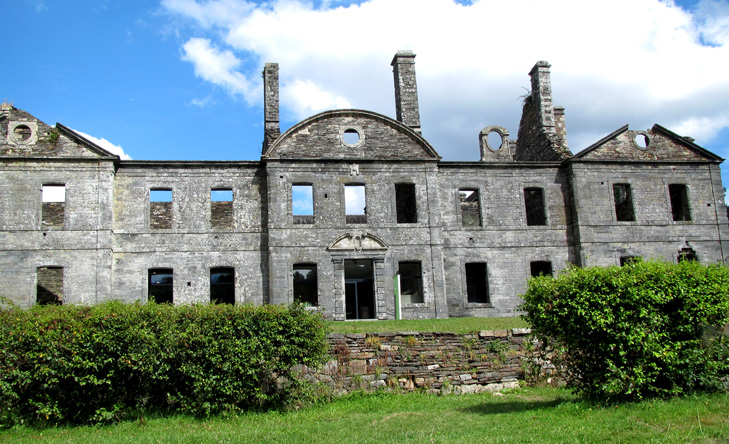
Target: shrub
{"points": [[71, 364], [646, 329]]}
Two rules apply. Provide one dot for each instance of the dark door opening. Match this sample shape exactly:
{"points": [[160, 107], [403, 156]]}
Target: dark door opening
{"points": [[359, 291]]}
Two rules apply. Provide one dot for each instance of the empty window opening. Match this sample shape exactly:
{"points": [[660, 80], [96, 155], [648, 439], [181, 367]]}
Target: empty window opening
{"points": [[477, 283], [160, 285], [306, 290], [222, 285], [53, 205], [470, 207], [302, 203], [359, 289], [411, 282], [540, 268], [407, 210], [49, 286], [687, 254], [495, 140], [350, 137], [22, 133], [627, 260], [354, 204], [160, 208], [221, 208], [623, 202], [679, 202], [534, 203], [641, 141]]}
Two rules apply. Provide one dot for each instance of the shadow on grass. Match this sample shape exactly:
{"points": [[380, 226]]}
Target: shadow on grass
{"points": [[491, 408]]}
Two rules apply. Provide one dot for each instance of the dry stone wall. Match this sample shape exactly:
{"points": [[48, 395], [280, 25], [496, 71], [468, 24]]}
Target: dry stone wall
{"points": [[436, 362]]}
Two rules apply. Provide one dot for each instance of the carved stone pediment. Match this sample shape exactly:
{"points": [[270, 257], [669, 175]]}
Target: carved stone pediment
{"points": [[357, 241]]}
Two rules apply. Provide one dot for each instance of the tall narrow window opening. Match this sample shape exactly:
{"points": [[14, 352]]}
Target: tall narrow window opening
{"points": [[222, 285], [221, 208], [679, 202], [49, 286], [160, 208], [411, 282], [306, 290], [540, 268], [470, 207], [534, 203], [355, 206], [53, 205], [477, 283], [302, 203], [407, 210], [623, 202], [160, 285]]}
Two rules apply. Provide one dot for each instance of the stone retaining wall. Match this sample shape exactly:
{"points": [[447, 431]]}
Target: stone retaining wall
{"points": [[431, 361]]}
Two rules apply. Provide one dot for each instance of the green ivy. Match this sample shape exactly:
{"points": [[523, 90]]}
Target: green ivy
{"points": [[73, 364], [643, 330]]}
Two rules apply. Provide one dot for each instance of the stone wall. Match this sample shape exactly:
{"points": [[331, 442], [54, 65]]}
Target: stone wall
{"points": [[436, 362]]}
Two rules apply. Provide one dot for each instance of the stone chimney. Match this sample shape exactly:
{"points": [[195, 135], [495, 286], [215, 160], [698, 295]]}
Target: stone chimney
{"points": [[560, 125], [272, 128], [406, 89], [5, 109], [538, 138]]}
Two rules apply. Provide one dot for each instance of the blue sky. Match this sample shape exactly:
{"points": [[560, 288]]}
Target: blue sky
{"points": [[180, 79]]}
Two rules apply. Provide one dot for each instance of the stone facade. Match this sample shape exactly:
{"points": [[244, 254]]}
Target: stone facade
{"points": [[382, 213]]}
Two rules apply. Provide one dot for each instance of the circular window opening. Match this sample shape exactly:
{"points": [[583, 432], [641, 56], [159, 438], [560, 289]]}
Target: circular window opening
{"points": [[642, 141], [21, 133], [350, 137], [495, 140]]}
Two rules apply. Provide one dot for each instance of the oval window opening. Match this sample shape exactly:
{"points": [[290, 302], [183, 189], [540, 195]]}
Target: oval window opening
{"points": [[641, 141], [22, 133], [495, 140], [350, 137]]}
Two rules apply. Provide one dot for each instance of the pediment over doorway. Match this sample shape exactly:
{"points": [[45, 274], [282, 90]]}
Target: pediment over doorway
{"points": [[357, 241]]}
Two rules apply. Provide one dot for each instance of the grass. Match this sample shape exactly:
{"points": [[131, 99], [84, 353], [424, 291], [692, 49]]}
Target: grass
{"points": [[456, 325], [543, 415]]}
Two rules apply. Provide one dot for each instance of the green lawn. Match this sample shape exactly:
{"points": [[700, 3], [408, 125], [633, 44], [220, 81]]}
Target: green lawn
{"points": [[456, 325], [544, 415]]}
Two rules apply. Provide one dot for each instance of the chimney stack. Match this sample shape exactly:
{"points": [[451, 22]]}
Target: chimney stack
{"points": [[272, 128], [542, 93], [406, 89]]}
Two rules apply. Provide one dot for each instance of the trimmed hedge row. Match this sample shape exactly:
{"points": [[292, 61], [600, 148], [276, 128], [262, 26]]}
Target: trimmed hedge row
{"points": [[75, 364], [646, 329]]}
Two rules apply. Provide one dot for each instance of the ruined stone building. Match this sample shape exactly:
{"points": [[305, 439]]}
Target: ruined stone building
{"points": [[381, 213]]}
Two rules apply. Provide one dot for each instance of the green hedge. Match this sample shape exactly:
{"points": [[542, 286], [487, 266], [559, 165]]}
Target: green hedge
{"points": [[646, 329], [74, 364]]}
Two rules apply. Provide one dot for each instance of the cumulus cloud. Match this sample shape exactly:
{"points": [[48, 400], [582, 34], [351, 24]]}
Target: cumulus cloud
{"points": [[106, 145], [657, 64]]}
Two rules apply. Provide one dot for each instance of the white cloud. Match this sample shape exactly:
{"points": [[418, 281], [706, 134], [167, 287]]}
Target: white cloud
{"points": [[106, 145], [656, 63]]}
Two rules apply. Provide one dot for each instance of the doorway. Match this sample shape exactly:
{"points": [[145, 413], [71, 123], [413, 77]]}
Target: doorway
{"points": [[359, 291]]}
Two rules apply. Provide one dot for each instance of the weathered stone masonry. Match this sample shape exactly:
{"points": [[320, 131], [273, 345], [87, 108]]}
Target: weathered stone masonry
{"points": [[380, 211]]}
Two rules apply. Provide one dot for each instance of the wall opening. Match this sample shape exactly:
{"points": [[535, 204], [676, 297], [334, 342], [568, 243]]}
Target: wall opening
{"points": [[679, 202], [160, 285], [536, 213], [53, 205], [495, 140], [470, 207], [355, 206], [411, 282], [160, 208], [222, 285], [221, 208], [350, 137], [359, 289], [302, 203], [687, 254], [49, 286], [306, 289], [627, 260], [407, 210], [477, 283], [540, 268], [624, 211]]}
